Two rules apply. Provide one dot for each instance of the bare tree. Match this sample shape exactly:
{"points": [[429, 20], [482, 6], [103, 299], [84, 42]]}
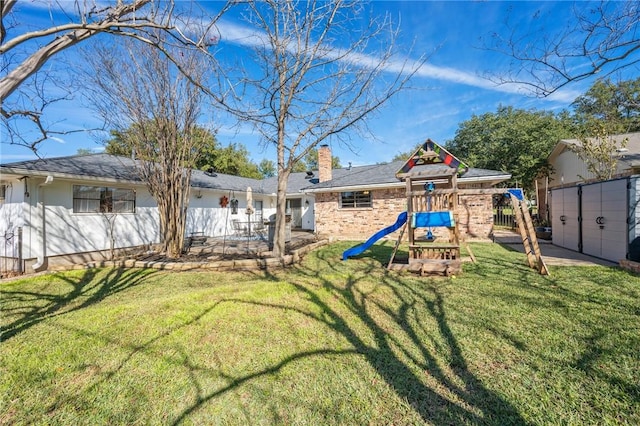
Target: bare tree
{"points": [[599, 149], [26, 89], [323, 68], [602, 39], [138, 89]]}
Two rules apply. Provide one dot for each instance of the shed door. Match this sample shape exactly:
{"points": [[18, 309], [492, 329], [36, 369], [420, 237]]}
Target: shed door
{"points": [[604, 219], [564, 218]]}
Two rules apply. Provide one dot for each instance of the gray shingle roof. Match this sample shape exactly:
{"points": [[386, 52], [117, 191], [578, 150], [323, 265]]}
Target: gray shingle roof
{"points": [[200, 179], [93, 166], [381, 174], [111, 167]]}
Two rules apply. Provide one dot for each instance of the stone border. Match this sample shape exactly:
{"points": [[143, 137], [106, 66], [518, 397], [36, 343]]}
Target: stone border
{"points": [[630, 265], [218, 265]]}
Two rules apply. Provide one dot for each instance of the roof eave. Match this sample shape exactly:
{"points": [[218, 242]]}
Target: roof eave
{"points": [[66, 176], [355, 187], [481, 179]]}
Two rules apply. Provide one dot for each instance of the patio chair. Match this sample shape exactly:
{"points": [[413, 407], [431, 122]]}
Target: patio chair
{"points": [[259, 228], [239, 228]]}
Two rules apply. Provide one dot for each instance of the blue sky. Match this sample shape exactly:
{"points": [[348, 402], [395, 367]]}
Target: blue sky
{"points": [[446, 91]]}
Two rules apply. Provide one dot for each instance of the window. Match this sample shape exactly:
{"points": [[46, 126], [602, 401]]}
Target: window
{"points": [[258, 210], [97, 199], [356, 199], [3, 192]]}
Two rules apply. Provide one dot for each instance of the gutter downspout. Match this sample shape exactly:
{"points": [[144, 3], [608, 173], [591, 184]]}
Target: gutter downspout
{"points": [[41, 265]]}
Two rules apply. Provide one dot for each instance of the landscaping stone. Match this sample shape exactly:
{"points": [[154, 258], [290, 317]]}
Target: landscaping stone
{"points": [[630, 265]]}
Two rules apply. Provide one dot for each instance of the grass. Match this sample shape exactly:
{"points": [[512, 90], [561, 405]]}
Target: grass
{"points": [[327, 342]]}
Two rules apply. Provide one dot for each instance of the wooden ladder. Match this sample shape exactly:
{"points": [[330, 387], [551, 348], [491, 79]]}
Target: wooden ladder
{"points": [[528, 234], [395, 249]]}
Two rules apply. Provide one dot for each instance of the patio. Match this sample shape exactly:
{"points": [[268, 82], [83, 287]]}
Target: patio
{"points": [[244, 246]]}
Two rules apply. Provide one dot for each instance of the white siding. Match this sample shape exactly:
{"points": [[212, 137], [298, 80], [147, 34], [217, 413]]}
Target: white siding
{"points": [[205, 214], [11, 217], [569, 169], [68, 232]]}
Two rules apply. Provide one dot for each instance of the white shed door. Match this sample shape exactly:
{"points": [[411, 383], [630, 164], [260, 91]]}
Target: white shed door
{"points": [[604, 219], [564, 218]]}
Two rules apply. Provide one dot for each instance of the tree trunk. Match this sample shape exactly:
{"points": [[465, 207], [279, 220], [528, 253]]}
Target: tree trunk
{"points": [[281, 209]]}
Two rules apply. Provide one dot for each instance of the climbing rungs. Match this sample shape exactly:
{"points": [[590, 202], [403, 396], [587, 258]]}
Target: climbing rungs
{"points": [[529, 239]]}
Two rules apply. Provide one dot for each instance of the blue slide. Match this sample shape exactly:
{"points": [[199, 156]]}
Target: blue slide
{"points": [[354, 251]]}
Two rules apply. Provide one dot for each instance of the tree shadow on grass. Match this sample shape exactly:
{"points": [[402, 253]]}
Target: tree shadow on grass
{"points": [[28, 308], [408, 338], [380, 252], [404, 357], [457, 398], [398, 343]]}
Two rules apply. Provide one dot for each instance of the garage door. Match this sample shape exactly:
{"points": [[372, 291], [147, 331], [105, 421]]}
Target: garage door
{"points": [[564, 218], [604, 219]]}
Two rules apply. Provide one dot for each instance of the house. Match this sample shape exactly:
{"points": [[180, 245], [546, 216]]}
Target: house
{"points": [[79, 208], [589, 216], [569, 169], [354, 203]]}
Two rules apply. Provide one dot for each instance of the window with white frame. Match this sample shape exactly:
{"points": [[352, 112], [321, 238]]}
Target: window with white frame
{"points": [[102, 199], [355, 199]]}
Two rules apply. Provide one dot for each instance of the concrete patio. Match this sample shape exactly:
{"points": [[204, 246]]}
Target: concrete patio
{"points": [[552, 255], [242, 246]]}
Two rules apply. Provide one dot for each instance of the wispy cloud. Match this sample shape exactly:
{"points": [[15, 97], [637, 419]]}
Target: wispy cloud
{"points": [[248, 37]]}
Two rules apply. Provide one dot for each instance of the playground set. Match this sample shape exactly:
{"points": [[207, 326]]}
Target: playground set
{"points": [[431, 220]]}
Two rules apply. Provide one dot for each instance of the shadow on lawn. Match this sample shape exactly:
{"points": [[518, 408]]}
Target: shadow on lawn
{"points": [[440, 392], [407, 339], [476, 404], [32, 307]]}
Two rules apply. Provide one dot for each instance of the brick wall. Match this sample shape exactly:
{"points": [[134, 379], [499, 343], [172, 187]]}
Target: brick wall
{"points": [[475, 216], [358, 223], [324, 163]]}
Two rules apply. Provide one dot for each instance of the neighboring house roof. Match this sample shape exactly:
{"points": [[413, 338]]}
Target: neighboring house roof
{"points": [[384, 175], [629, 155]]}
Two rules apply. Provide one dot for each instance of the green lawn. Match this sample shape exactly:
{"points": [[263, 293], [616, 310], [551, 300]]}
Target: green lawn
{"points": [[327, 342]]}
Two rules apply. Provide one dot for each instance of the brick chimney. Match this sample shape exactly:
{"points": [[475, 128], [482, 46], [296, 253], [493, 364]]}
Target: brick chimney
{"points": [[324, 163]]}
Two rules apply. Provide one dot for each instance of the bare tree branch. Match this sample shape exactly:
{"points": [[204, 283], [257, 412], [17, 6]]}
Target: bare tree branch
{"points": [[156, 109], [324, 68], [602, 40], [24, 54]]}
